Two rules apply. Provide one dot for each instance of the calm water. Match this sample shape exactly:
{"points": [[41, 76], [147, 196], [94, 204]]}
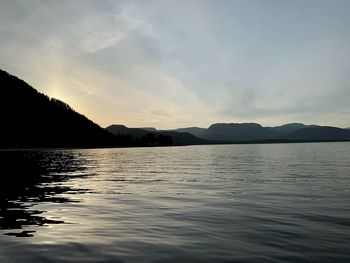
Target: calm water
{"points": [[228, 203]]}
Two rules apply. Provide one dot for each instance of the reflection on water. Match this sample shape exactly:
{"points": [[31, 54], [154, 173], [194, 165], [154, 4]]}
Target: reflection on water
{"points": [[32, 177], [225, 203]]}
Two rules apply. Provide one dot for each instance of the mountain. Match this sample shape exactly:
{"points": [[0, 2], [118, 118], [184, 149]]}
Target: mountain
{"points": [[198, 132], [118, 129], [319, 133], [253, 132], [184, 138], [240, 132], [151, 129], [290, 127], [140, 135], [31, 119]]}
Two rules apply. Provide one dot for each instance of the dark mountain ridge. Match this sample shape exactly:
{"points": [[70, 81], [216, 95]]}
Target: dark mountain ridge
{"points": [[289, 127], [196, 131], [240, 132], [319, 133], [253, 132], [31, 119], [175, 138], [118, 129]]}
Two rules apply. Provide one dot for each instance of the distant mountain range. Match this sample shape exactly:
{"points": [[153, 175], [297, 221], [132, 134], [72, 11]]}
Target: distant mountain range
{"points": [[30, 119], [178, 138], [243, 132], [222, 133]]}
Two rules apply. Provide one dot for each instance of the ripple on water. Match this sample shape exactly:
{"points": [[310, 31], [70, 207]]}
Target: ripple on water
{"points": [[228, 203]]}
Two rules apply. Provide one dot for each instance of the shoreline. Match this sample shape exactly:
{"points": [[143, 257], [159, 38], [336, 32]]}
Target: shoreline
{"points": [[209, 143]]}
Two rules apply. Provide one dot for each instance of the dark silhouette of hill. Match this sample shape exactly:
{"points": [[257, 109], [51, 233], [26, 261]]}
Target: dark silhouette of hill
{"points": [[139, 137], [319, 133], [240, 132], [151, 129], [253, 132], [118, 129], [199, 132], [160, 137], [31, 119], [290, 127], [185, 138]]}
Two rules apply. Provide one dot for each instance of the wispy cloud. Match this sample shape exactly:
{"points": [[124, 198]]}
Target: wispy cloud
{"points": [[105, 30], [168, 64]]}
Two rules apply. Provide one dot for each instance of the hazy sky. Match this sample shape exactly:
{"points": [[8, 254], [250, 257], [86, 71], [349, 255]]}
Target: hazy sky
{"points": [[185, 63]]}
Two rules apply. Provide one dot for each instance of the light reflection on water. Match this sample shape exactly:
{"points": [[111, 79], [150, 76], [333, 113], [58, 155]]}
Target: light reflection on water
{"points": [[228, 203]]}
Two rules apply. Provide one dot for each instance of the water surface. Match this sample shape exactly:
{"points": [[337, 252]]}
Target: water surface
{"points": [[219, 203]]}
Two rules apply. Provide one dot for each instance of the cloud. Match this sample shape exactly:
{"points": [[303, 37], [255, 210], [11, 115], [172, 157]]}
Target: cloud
{"points": [[173, 64], [105, 30]]}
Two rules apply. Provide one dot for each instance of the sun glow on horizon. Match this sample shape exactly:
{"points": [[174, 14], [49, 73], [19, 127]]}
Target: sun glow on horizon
{"points": [[175, 65]]}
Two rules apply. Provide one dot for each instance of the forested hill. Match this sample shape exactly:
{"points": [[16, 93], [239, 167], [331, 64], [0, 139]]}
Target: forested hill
{"points": [[153, 137], [31, 119], [254, 132]]}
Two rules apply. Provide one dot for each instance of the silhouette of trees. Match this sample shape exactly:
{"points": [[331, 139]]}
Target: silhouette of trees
{"points": [[165, 140], [32, 119], [62, 104]]}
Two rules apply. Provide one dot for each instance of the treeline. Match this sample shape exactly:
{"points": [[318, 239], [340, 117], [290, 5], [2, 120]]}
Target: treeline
{"points": [[30, 119], [149, 140]]}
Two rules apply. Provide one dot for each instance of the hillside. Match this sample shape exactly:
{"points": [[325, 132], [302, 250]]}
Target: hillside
{"points": [[118, 129], [240, 132], [199, 132], [31, 119], [152, 136], [253, 132], [320, 133], [288, 128]]}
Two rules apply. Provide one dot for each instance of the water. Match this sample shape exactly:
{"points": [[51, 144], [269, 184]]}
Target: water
{"points": [[227, 203]]}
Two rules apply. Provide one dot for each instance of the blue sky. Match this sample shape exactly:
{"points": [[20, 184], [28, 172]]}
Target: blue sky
{"points": [[173, 64]]}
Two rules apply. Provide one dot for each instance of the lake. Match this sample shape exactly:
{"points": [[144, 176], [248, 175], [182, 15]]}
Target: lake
{"points": [[214, 203]]}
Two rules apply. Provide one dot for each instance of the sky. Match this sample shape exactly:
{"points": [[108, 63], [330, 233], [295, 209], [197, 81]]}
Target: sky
{"points": [[170, 64]]}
